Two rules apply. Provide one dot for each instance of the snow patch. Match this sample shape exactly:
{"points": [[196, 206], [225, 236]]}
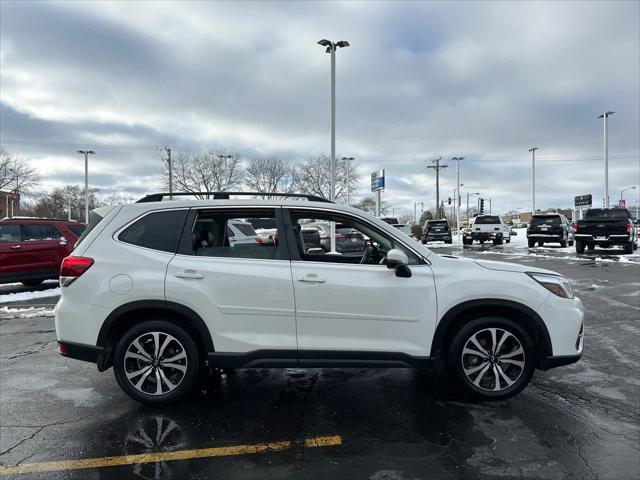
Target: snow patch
{"points": [[22, 296], [31, 312]]}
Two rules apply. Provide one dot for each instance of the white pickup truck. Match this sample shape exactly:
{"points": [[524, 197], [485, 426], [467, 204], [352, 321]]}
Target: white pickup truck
{"points": [[487, 228]]}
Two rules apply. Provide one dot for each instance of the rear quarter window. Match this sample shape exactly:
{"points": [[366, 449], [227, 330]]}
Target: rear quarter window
{"points": [[76, 229], [156, 230], [9, 233]]}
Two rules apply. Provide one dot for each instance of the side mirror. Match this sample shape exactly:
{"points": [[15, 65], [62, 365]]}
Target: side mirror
{"points": [[403, 271], [63, 242], [396, 258]]}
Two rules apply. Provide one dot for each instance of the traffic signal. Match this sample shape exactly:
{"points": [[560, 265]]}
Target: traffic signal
{"points": [[459, 201], [449, 200], [482, 205]]}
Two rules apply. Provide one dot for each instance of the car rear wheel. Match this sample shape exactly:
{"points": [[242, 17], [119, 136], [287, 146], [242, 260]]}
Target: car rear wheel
{"points": [[579, 246], [532, 243], [563, 244], [541, 244], [492, 358], [628, 247], [156, 362]]}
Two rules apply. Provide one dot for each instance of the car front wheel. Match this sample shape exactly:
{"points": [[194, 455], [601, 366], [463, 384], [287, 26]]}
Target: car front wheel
{"points": [[156, 362], [492, 358]]}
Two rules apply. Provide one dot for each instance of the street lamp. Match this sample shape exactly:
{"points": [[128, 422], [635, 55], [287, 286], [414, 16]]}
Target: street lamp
{"points": [[469, 195], [348, 160], [86, 154], [455, 207], [533, 190], [605, 116], [331, 48]]}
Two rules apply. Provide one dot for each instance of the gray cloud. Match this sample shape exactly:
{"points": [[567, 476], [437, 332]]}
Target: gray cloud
{"points": [[483, 80]]}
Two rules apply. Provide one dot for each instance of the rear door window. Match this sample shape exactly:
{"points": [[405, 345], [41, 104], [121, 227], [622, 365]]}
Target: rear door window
{"points": [[487, 220], [552, 220], [42, 231], [156, 230], [9, 233]]}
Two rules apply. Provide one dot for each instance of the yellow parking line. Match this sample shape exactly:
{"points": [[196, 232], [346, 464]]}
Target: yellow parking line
{"points": [[165, 456]]}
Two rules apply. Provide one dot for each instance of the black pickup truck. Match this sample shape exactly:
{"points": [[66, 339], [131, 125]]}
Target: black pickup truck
{"points": [[605, 227]]}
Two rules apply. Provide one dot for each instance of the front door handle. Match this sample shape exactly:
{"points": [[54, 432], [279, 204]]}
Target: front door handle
{"points": [[311, 278], [191, 274], [16, 247]]}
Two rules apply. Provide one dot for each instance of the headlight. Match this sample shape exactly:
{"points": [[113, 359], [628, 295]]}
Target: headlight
{"points": [[556, 284]]}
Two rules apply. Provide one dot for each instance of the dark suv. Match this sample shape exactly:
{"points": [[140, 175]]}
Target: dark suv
{"points": [[436, 230], [550, 228], [32, 249]]}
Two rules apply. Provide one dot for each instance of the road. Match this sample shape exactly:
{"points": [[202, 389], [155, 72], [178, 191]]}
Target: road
{"points": [[581, 421]]}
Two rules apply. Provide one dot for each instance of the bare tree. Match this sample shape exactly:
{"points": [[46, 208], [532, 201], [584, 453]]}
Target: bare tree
{"points": [[368, 204], [269, 175], [315, 177], [205, 172], [56, 203], [15, 173], [116, 199]]}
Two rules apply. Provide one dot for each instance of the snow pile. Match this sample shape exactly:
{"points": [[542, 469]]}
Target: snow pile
{"points": [[31, 312], [22, 296]]}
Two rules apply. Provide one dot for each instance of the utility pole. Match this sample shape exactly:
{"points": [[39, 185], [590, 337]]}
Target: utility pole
{"points": [[69, 207], [533, 190], [348, 160], [86, 154], [168, 150], [605, 116], [437, 167]]}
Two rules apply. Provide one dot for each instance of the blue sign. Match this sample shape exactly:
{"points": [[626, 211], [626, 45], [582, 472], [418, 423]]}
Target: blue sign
{"points": [[377, 180]]}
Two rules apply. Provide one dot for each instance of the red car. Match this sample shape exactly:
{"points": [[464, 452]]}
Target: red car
{"points": [[32, 249]]}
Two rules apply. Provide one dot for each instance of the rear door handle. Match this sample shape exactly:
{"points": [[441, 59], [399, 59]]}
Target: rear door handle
{"points": [[311, 278], [16, 247], [192, 274]]}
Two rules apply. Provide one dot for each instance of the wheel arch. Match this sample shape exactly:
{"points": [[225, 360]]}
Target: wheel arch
{"points": [[472, 309], [132, 313]]}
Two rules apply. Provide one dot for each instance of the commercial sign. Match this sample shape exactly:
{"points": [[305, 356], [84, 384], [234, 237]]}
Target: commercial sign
{"points": [[583, 201], [377, 180]]}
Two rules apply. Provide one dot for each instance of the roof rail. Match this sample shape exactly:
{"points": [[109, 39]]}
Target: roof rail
{"points": [[157, 197]]}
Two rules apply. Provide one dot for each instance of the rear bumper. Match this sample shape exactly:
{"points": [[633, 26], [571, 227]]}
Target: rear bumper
{"points": [[437, 237], [545, 236], [605, 240], [78, 351]]}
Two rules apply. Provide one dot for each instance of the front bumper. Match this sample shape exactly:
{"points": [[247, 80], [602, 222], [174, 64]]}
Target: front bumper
{"points": [[559, 361]]}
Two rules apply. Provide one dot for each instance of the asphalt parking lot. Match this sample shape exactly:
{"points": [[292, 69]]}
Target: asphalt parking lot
{"points": [[60, 418]]}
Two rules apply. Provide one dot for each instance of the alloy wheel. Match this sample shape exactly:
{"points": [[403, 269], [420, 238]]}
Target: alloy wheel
{"points": [[155, 363], [493, 359]]}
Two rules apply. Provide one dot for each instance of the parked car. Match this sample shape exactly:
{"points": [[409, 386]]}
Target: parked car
{"points": [[139, 295], [606, 227], [32, 249], [347, 240], [487, 228], [550, 228], [436, 231]]}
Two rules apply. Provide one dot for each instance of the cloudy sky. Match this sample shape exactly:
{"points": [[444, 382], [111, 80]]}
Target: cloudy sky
{"points": [[421, 80]]}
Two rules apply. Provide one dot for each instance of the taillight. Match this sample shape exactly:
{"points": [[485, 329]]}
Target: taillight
{"points": [[575, 228], [72, 268], [340, 235], [628, 228]]}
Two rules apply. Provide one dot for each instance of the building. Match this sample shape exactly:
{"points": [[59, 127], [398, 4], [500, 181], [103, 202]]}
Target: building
{"points": [[3, 204], [525, 217]]}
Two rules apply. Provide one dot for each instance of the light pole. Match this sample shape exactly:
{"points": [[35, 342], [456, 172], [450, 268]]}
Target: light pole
{"points": [[331, 48], [456, 209], [533, 176], [605, 116], [622, 193], [348, 159], [468, 195], [86, 154]]}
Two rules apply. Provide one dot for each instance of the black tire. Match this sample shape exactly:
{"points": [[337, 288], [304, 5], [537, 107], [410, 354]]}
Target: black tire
{"points": [[519, 375], [509, 239], [628, 248], [449, 241], [563, 244], [579, 246], [541, 244], [32, 283], [481, 242], [532, 243], [183, 344], [571, 243]]}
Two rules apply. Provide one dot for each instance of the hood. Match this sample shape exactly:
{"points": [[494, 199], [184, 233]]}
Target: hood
{"points": [[511, 267]]}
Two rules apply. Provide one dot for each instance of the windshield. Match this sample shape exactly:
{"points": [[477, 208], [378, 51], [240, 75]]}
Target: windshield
{"points": [[487, 219]]}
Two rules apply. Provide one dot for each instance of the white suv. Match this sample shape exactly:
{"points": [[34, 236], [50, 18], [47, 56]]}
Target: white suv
{"points": [[158, 291]]}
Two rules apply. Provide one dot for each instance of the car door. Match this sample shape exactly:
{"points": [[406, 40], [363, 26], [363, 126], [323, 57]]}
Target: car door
{"points": [[41, 247], [243, 291], [11, 257], [343, 305]]}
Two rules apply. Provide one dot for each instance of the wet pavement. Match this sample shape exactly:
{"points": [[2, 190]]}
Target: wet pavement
{"points": [[581, 421]]}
